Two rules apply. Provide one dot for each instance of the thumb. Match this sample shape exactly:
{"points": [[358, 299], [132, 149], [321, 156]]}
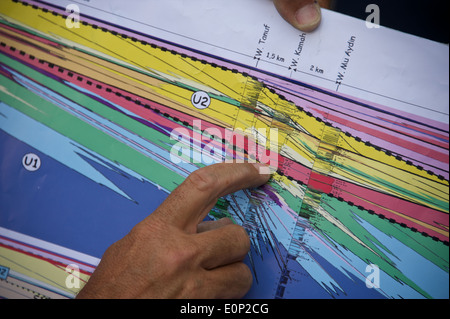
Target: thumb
{"points": [[304, 15]]}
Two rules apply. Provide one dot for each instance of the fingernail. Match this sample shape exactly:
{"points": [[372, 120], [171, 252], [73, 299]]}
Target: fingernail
{"points": [[308, 17], [263, 169]]}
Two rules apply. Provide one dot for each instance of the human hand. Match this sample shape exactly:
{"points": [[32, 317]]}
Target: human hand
{"points": [[173, 253], [304, 15]]}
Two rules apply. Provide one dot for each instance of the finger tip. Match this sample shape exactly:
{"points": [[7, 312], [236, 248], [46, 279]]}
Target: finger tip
{"points": [[308, 17]]}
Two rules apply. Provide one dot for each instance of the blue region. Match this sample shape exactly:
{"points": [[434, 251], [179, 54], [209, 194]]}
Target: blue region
{"points": [[276, 274], [302, 285], [266, 269], [61, 206]]}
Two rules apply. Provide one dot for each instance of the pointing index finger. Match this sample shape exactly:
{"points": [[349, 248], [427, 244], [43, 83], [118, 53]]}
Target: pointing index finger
{"points": [[190, 202]]}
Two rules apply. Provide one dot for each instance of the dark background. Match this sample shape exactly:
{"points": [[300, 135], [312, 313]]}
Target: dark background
{"points": [[427, 19]]}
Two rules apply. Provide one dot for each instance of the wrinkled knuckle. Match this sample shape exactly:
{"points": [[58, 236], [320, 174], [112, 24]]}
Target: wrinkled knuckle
{"points": [[226, 221], [201, 180]]}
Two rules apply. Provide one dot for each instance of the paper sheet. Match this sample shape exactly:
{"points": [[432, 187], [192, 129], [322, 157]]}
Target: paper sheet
{"points": [[357, 207]]}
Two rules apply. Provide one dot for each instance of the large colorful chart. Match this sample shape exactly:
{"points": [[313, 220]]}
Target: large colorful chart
{"points": [[357, 208]]}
